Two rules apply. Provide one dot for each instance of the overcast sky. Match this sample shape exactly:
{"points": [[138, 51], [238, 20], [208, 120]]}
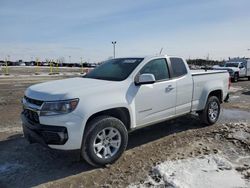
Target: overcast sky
{"points": [[80, 28]]}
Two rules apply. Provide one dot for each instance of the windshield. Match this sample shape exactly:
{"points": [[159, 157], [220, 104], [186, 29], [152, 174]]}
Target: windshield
{"points": [[231, 64], [115, 69]]}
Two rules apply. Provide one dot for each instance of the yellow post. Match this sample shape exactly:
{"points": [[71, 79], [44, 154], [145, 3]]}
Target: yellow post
{"points": [[51, 67], [6, 67], [57, 66]]}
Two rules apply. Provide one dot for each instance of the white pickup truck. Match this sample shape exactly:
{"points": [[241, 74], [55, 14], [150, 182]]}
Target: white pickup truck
{"points": [[236, 69], [94, 113]]}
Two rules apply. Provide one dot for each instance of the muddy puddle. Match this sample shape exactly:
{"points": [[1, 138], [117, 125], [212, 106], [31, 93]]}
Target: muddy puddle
{"points": [[234, 115]]}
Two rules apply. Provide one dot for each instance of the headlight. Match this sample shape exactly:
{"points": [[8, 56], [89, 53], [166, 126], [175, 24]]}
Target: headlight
{"points": [[58, 107]]}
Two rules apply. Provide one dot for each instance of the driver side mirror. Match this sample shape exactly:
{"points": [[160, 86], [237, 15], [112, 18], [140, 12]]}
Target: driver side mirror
{"points": [[145, 79], [241, 67]]}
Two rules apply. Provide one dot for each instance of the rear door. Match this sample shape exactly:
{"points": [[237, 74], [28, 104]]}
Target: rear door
{"points": [[184, 85], [155, 102], [248, 68]]}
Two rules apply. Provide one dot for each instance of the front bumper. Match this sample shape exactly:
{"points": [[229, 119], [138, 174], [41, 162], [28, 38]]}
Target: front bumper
{"points": [[231, 74], [44, 134]]}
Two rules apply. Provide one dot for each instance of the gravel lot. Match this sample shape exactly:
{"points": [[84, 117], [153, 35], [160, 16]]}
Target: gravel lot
{"points": [[25, 165]]}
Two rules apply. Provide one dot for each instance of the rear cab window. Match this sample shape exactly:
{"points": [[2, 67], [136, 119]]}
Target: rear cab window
{"points": [[178, 67]]}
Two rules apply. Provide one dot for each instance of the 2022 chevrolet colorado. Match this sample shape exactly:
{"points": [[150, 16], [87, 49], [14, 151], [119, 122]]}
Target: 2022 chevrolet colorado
{"points": [[94, 113]]}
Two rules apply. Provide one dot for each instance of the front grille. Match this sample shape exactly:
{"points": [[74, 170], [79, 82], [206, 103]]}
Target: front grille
{"points": [[33, 101], [31, 115]]}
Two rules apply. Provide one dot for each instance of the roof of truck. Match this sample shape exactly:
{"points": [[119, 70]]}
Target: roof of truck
{"points": [[152, 56]]}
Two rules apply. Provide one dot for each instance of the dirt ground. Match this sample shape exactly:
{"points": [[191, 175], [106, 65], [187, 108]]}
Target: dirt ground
{"points": [[26, 165]]}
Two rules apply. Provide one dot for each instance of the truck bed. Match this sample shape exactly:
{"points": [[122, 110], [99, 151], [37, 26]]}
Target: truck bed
{"points": [[204, 82], [202, 72]]}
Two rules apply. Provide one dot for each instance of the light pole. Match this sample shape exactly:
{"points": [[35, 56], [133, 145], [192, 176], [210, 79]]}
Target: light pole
{"points": [[69, 59], [114, 43]]}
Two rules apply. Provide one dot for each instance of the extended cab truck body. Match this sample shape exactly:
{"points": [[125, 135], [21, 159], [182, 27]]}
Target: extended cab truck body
{"points": [[95, 113], [236, 69]]}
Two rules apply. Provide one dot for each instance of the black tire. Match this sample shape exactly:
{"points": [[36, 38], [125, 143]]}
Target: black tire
{"points": [[93, 129], [236, 77], [248, 78], [204, 115]]}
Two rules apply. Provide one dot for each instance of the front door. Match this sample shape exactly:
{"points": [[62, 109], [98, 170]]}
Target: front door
{"points": [[243, 70], [155, 102]]}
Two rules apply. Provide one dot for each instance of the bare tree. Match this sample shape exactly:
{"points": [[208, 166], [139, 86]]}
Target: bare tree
{"points": [[61, 60]]}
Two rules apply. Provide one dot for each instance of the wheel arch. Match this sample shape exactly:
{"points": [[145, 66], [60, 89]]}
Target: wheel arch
{"points": [[217, 93], [208, 93], [121, 113]]}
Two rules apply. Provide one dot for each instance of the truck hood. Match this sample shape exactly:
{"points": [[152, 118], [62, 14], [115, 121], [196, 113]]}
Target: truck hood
{"points": [[64, 89]]}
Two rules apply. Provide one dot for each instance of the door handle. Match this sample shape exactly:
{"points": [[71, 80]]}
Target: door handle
{"points": [[169, 88]]}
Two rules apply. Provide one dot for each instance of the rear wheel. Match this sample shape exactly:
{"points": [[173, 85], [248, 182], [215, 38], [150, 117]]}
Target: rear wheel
{"points": [[104, 141], [236, 77], [211, 113]]}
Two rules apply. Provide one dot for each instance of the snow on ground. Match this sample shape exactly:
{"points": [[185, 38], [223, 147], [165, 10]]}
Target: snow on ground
{"points": [[211, 171], [235, 89], [234, 97]]}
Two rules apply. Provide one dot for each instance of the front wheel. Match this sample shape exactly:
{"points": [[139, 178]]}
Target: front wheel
{"points": [[104, 141], [211, 113]]}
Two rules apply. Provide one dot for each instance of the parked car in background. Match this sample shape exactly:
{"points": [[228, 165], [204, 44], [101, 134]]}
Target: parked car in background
{"points": [[94, 113], [236, 69]]}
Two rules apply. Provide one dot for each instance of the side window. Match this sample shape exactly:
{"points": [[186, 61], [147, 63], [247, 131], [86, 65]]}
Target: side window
{"points": [[178, 67], [157, 67]]}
